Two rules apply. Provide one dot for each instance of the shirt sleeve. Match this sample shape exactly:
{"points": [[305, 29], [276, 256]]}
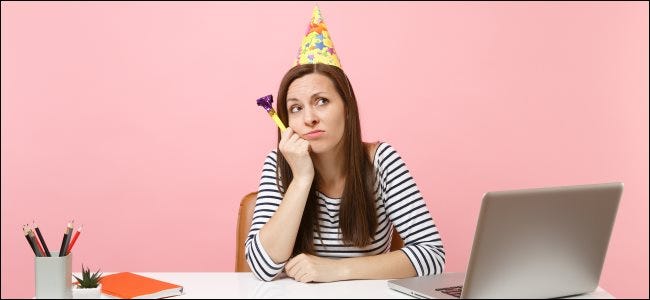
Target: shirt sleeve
{"points": [[409, 213], [267, 203]]}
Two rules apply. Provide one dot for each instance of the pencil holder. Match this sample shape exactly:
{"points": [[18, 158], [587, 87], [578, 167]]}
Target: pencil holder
{"points": [[53, 276]]}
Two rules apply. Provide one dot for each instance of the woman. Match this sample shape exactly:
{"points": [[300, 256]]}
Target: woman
{"points": [[328, 202]]}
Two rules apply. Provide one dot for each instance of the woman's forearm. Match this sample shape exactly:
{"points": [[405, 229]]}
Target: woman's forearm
{"points": [[278, 235], [383, 266]]}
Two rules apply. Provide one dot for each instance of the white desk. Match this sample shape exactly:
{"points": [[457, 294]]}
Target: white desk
{"points": [[245, 285]]}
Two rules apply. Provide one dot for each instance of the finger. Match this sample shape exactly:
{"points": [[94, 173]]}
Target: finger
{"points": [[304, 145], [289, 272], [305, 277], [286, 134], [294, 138], [297, 268], [296, 272], [290, 264], [287, 140], [292, 267], [298, 276]]}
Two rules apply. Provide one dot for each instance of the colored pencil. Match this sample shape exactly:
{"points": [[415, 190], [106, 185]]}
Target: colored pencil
{"points": [[32, 237], [74, 239], [66, 239], [40, 237], [31, 244]]}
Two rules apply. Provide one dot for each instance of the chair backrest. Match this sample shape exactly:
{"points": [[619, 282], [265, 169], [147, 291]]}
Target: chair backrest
{"points": [[246, 208]]}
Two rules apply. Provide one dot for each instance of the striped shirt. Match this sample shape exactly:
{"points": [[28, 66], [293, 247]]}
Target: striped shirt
{"points": [[400, 207]]}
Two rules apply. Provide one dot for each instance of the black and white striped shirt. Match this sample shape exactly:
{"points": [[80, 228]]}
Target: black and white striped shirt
{"points": [[399, 205]]}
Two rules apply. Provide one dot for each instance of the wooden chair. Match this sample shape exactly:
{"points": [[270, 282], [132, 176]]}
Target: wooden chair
{"points": [[244, 220]]}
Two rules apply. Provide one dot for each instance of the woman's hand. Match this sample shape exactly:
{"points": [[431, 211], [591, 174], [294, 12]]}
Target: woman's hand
{"points": [[308, 268], [296, 151]]}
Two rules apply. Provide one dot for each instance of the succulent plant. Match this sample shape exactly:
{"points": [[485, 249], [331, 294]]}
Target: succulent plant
{"points": [[88, 281]]}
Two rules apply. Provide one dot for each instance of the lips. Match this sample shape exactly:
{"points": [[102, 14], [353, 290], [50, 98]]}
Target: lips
{"points": [[314, 134]]}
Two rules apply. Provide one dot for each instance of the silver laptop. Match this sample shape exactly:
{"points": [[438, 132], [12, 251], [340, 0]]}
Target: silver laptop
{"points": [[533, 243]]}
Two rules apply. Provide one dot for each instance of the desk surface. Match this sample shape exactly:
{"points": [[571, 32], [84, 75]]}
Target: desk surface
{"points": [[245, 285]]}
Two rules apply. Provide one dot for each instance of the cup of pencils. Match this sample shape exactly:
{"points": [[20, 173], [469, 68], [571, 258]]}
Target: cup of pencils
{"points": [[53, 276], [53, 270]]}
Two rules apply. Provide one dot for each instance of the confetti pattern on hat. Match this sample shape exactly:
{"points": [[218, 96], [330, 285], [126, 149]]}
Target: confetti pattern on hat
{"points": [[317, 46]]}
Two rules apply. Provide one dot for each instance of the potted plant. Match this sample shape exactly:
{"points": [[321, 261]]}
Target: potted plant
{"points": [[88, 286]]}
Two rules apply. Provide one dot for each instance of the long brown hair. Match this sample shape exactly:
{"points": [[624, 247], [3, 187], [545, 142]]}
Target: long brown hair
{"points": [[357, 212]]}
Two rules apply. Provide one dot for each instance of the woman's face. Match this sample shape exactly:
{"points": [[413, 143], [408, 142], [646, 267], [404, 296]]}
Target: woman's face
{"points": [[316, 111]]}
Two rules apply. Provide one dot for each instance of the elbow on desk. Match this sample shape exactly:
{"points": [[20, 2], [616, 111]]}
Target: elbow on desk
{"points": [[267, 278], [260, 273]]}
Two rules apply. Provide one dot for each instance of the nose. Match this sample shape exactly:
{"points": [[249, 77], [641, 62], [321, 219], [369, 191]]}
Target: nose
{"points": [[310, 117]]}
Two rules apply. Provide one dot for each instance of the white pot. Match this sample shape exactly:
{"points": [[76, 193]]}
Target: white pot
{"points": [[79, 293]]}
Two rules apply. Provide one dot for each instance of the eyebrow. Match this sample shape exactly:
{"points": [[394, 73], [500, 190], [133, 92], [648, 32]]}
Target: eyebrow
{"points": [[296, 100]]}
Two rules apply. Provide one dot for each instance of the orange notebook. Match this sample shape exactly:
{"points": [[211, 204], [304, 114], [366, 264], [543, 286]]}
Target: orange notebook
{"points": [[132, 286]]}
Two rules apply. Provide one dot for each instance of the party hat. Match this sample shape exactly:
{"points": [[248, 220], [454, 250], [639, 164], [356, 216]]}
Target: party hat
{"points": [[317, 46]]}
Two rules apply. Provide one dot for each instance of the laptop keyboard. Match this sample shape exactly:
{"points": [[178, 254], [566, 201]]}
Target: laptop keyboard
{"points": [[452, 290]]}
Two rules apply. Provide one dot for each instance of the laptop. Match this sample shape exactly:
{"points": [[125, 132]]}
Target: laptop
{"points": [[532, 243]]}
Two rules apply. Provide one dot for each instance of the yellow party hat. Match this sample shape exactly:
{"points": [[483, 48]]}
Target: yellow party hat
{"points": [[317, 46]]}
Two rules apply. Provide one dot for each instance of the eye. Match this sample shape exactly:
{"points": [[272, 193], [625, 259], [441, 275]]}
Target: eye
{"points": [[322, 101], [295, 108]]}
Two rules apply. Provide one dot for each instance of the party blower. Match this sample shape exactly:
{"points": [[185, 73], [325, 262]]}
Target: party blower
{"points": [[265, 102]]}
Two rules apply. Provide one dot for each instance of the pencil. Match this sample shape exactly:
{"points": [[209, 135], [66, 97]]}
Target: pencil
{"points": [[31, 244], [40, 237], [66, 239], [32, 237], [74, 239]]}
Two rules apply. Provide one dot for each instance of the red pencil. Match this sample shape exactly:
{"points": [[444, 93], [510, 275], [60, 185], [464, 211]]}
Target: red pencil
{"points": [[38, 244], [74, 239]]}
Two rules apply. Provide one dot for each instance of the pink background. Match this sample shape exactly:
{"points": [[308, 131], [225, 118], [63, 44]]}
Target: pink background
{"points": [[138, 119]]}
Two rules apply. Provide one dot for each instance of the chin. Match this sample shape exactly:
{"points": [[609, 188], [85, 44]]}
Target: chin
{"points": [[319, 147]]}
